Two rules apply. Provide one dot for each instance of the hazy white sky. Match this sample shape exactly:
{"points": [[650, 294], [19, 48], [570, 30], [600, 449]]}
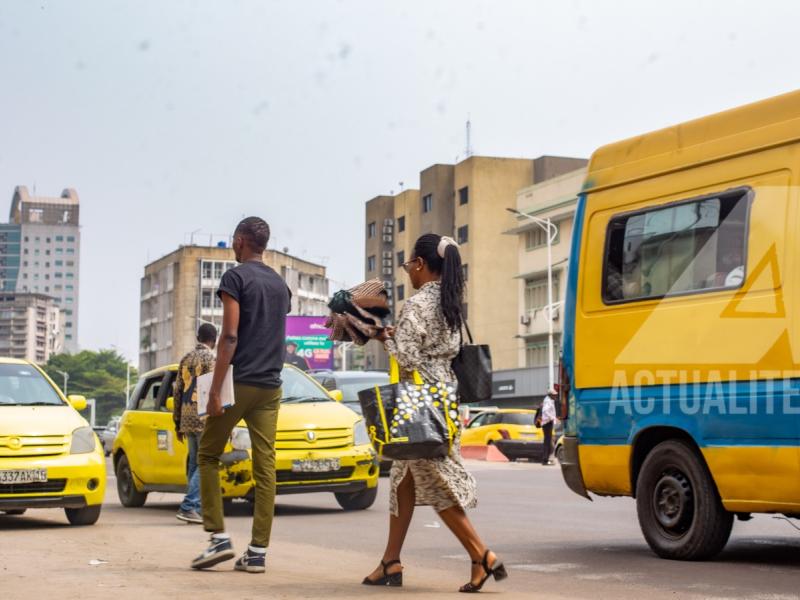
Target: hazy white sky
{"points": [[172, 116]]}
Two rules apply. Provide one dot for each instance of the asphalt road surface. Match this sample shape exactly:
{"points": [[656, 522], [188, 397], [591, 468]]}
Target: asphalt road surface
{"points": [[554, 543]]}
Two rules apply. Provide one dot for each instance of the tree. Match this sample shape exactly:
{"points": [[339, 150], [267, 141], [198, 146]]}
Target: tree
{"points": [[100, 375]]}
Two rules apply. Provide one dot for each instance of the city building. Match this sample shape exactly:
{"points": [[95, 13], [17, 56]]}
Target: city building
{"points": [[466, 201], [40, 253], [178, 292], [31, 326]]}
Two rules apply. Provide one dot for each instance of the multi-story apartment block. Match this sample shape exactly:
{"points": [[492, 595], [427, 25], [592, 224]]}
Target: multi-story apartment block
{"points": [[178, 292], [40, 252], [554, 199], [466, 201], [31, 326]]}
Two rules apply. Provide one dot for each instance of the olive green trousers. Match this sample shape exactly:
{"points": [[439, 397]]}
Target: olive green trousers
{"points": [[259, 409]]}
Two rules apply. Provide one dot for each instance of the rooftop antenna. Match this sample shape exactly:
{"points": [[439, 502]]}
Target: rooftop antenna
{"points": [[400, 183], [468, 150]]}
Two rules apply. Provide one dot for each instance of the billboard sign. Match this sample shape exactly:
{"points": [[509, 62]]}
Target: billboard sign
{"points": [[311, 337]]}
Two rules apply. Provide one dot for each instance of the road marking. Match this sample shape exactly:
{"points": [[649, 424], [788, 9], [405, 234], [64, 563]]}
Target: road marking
{"points": [[545, 567]]}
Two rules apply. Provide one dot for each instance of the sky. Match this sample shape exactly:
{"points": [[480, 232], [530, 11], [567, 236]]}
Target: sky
{"points": [[171, 116]]}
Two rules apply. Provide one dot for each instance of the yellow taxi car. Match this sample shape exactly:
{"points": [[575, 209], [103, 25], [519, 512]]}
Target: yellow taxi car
{"points": [[321, 446], [486, 427], [49, 455]]}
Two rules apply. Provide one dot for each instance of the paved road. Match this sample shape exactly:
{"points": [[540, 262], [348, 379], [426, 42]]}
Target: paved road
{"points": [[555, 544]]}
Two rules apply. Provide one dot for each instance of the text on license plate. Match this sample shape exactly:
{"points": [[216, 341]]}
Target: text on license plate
{"points": [[320, 465], [23, 476]]}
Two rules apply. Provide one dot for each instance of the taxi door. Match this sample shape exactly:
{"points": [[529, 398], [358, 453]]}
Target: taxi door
{"points": [[141, 424], [169, 455]]}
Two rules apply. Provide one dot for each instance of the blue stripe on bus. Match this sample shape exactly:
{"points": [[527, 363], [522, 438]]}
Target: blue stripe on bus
{"points": [[744, 413]]}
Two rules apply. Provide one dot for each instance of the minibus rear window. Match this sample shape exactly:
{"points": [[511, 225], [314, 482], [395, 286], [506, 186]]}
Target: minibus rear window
{"points": [[679, 248]]}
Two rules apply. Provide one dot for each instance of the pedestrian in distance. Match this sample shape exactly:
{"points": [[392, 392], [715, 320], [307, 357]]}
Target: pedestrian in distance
{"points": [[546, 419], [188, 425], [255, 301], [293, 358], [426, 340]]}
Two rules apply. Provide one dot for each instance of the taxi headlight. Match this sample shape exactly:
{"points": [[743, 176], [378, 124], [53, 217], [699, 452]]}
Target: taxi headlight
{"points": [[360, 434], [240, 438], [83, 441]]}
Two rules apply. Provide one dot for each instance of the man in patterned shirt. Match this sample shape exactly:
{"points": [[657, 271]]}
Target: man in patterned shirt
{"points": [[188, 425]]}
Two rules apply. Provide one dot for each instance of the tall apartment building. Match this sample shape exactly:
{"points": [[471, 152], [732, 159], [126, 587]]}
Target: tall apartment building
{"points": [[466, 201], [40, 252], [554, 199], [178, 292], [31, 327]]}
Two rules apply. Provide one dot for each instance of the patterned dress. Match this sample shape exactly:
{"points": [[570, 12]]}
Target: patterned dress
{"points": [[423, 342]]}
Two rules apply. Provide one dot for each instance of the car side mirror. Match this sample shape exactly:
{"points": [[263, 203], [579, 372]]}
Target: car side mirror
{"points": [[77, 402], [336, 395], [170, 404]]}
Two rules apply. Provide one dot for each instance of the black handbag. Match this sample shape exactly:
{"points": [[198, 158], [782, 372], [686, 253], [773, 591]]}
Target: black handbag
{"points": [[473, 369], [410, 420]]}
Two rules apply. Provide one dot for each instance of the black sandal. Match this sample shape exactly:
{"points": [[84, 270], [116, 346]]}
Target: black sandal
{"points": [[498, 571], [390, 579]]}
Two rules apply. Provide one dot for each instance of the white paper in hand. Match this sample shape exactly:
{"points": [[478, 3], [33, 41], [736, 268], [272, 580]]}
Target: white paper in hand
{"points": [[204, 388]]}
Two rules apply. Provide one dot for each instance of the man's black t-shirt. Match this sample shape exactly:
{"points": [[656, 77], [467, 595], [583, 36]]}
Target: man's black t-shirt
{"points": [[264, 300]]}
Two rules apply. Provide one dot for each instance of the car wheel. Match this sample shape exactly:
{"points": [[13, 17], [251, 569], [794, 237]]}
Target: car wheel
{"points": [[357, 500], [129, 496], [15, 512], [679, 509], [560, 454], [87, 515]]}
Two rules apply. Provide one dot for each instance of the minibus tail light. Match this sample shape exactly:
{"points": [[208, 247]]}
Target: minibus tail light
{"points": [[562, 387]]}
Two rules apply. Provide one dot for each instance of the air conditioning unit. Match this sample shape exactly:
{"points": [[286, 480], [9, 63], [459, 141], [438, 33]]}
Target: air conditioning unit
{"points": [[388, 223], [387, 254], [555, 313], [387, 270], [525, 320], [388, 285], [387, 239]]}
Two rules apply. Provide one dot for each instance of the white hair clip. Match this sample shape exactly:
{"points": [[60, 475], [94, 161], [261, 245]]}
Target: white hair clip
{"points": [[443, 244]]}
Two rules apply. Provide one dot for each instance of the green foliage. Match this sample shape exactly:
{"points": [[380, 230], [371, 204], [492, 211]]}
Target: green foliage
{"points": [[100, 375]]}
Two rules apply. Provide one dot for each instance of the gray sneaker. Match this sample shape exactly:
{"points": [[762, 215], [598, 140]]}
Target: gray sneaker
{"points": [[189, 516]]}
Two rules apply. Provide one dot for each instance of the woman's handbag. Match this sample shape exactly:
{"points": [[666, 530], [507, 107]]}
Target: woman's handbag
{"points": [[473, 369], [410, 420]]}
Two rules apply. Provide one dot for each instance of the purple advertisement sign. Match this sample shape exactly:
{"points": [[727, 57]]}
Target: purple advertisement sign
{"points": [[311, 337]]}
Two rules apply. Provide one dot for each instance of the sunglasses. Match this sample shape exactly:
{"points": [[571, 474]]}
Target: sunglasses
{"points": [[407, 265]]}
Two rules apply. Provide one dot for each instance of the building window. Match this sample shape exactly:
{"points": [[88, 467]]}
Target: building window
{"points": [[47, 240], [463, 234], [371, 263], [679, 248], [70, 263], [68, 312], [59, 275], [218, 270], [537, 238], [463, 196], [70, 238], [208, 270], [59, 238], [536, 292], [401, 292], [69, 288], [427, 203], [217, 301], [58, 251], [537, 354], [401, 258], [206, 299], [401, 224], [371, 228], [69, 251], [59, 263]]}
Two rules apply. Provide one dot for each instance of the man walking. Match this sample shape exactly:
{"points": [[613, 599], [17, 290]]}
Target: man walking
{"points": [[293, 358], [188, 425], [255, 301], [547, 420]]}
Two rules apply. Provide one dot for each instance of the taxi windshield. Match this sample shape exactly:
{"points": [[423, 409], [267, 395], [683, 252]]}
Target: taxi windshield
{"points": [[22, 385], [298, 387]]}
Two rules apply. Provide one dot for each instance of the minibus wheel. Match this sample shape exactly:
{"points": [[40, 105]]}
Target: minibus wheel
{"points": [[679, 509], [357, 500]]}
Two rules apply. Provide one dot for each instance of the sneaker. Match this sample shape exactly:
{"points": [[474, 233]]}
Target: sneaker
{"points": [[220, 550], [189, 516], [252, 561]]}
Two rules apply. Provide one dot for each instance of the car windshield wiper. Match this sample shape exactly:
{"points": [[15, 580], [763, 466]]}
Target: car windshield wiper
{"points": [[299, 399], [29, 403]]}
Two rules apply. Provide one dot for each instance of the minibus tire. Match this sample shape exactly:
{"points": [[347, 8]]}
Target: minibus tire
{"points": [[15, 512], [357, 500], [129, 496], [87, 515], [679, 509]]}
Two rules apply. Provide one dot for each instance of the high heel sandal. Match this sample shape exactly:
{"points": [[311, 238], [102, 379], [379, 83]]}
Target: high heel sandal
{"points": [[498, 571], [390, 579]]}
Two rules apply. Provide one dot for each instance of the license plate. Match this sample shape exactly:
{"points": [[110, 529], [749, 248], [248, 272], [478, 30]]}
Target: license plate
{"points": [[528, 436], [23, 476], [321, 465]]}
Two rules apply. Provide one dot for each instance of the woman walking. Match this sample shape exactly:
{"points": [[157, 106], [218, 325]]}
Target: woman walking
{"points": [[427, 339]]}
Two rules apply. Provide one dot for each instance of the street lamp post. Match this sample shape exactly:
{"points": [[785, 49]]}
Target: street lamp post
{"points": [[66, 380], [551, 230]]}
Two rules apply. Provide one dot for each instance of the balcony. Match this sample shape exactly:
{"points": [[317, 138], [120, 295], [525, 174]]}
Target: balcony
{"points": [[535, 322]]}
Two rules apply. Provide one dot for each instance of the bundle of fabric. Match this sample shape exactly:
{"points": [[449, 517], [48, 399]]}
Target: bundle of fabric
{"points": [[357, 314]]}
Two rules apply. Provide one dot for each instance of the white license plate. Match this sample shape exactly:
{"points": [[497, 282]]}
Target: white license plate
{"points": [[23, 476], [321, 465]]}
